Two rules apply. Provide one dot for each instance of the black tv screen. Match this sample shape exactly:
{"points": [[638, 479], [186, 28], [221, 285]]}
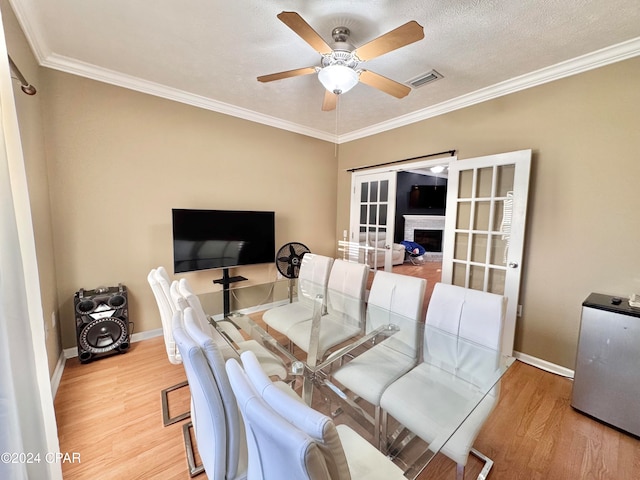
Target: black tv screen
{"points": [[205, 239], [428, 196]]}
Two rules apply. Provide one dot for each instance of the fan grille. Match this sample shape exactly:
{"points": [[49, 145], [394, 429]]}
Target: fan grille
{"points": [[289, 258]]}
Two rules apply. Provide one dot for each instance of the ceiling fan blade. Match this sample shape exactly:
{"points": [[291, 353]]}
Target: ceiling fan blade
{"points": [[287, 74], [330, 101], [296, 23], [384, 84], [403, 35]]}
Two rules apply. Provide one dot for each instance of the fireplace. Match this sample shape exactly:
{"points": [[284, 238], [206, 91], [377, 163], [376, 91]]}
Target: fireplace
{"points": [[426, 230], [431, 240]]}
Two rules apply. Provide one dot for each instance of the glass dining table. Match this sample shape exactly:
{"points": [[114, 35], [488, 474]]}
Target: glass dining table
{"points": [[381, 347]]}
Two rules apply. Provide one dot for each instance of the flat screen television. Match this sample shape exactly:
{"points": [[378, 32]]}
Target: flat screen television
{"points": [[428, 196], [207, 239]]}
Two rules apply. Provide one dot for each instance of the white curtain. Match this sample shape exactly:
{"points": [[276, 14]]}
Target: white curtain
{"points": [[28, 435]]}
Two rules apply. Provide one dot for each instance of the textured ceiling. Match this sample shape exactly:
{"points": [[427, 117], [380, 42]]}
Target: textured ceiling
{"points": [[209, 53]]}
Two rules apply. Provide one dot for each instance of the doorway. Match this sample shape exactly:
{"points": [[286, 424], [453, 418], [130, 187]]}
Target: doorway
{"points": [[389, 207], [485, 219]]}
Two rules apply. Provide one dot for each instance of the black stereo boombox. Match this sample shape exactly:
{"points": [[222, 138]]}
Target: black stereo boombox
{"points": [[102, 322]]}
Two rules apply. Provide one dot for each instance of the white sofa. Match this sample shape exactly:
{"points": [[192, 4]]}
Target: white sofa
{"points": [[377, 258]]}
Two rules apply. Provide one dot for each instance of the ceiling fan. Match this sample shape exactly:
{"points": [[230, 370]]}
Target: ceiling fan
{"points": [[339, 66]]}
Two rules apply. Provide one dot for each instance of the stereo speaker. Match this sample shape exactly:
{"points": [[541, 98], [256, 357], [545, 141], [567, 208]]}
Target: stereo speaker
{"points": [[102, 322]]}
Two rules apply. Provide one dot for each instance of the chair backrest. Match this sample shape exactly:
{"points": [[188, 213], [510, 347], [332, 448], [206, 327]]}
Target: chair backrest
{"points": [[345, 291], [166, 309], [313, 277], [162, 276], [192, 300], [179, 302], [397, 299], [207, 408], [277, 449], [183, 289], [464, 330], [236, 452], [318, 426]]}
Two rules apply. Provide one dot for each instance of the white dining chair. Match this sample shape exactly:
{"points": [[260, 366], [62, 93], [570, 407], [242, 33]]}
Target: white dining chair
{"points": [[461, 354], [277, 450], [236, 448], [183, 295], [210, 343], [159, 282], [394, 299], [312, 281], [347, 455], [345, 308], [208, 413]]}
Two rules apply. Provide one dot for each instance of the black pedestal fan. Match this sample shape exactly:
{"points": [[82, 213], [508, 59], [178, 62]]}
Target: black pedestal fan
{"points": [[288, 261]]}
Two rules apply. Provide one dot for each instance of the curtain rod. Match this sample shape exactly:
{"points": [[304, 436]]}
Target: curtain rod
{"points": [[450, 152], [24, 85]]}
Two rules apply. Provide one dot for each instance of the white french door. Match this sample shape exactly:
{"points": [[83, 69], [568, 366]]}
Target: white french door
{"points": [[484, 228], [373, 207]]}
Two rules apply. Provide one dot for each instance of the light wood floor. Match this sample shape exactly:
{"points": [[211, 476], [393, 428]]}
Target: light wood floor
{"points": [[109, 412]]}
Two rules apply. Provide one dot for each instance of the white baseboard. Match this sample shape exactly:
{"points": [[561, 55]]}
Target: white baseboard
{"points": [[57, 374], [544, 365]]}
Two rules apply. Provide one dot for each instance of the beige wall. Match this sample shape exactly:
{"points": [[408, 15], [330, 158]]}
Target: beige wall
{"points": [[120, 160], [583, 227], [31, 132]]}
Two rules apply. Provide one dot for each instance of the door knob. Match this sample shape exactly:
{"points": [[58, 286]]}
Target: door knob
{"points": [[513, 265]]}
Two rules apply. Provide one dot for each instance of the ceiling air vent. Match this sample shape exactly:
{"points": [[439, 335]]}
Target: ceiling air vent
{"points": [[425, 78]]}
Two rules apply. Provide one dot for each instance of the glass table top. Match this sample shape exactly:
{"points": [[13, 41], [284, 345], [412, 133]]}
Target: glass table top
{"points": [[379, 342]]}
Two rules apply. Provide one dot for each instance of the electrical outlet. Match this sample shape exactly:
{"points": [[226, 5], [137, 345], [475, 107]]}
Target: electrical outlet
{"points": [[53, 319], [519, 314], [46, 331]]}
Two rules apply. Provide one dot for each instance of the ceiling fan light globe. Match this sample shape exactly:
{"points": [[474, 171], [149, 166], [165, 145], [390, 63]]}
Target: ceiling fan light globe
{"points": [[338, 78]]}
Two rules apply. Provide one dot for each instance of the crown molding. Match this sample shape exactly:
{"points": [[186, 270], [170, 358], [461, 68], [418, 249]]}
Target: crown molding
{"points": [[75, 67], [590, 61]]}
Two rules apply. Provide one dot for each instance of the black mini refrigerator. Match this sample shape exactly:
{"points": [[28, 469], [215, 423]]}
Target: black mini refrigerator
{"points": [[607, 374]]}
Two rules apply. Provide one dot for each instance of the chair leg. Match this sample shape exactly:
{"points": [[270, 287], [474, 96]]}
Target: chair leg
{"points": [[383, 446], [377, 437], [459, 471], [188, 446], [166, 420], [488, 463]]}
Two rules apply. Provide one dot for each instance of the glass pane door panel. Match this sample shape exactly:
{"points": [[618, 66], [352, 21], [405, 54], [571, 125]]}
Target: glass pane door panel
{"points": [[461, 249], [373, 214], [382, 219], [363, 214], [463, 220], [466, 184], [496, 281], [364, 192], [476, 277], [384, 191], [501, 216], [479, 248], [499, 250], [373, 192], [484, 185], [505, 176], [459, 274], [481, 218]]}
